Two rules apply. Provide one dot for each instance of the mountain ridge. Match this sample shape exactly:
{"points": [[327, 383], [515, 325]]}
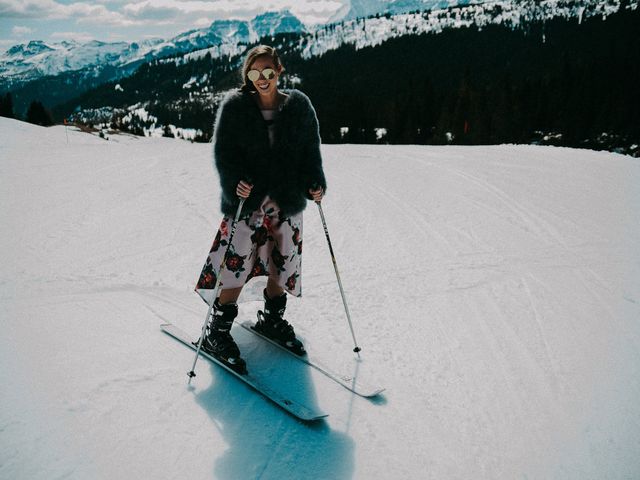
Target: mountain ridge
{"points": [[29, 61]]}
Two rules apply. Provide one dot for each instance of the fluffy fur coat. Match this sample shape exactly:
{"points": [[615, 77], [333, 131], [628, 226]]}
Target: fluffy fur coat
{"points": [[242, 151]]}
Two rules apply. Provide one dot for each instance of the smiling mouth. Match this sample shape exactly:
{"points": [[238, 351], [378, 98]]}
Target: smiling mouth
{"points": [[263, 87]]}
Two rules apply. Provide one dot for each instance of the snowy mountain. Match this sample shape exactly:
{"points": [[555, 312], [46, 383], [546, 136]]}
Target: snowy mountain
{"points": [[372, 31], [25, 62], [272, 23], [224, 35], [502, 83], [369, 32], [366, 8], [185, 96], [493, 289], [30, 61], [28, 50]]}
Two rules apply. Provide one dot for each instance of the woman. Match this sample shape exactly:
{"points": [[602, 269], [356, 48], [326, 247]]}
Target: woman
{"points": [[266, 151]]}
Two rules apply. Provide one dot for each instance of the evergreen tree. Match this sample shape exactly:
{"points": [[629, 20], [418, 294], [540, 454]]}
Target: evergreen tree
{"points": [[462, 114], [39, 115], [6, 106]]}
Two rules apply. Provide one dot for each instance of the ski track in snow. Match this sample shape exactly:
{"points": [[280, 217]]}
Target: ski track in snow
{"points": [[495, 292]]}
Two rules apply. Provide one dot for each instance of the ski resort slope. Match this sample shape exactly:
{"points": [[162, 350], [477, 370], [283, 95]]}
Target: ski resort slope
{"points": [[495, 292]]}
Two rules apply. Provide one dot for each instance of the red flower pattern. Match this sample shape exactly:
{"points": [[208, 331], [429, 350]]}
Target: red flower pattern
{"points": [[224, 228], [207, 278], [267, 224], [257, 270], [291, 281], [234, 262], [272, 235]]}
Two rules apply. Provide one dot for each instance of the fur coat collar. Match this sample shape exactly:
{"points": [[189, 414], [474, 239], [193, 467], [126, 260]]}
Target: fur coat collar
{"points": [[284, 171]]}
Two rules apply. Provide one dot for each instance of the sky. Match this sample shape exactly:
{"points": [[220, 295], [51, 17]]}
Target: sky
{"points": [[133, 20]]}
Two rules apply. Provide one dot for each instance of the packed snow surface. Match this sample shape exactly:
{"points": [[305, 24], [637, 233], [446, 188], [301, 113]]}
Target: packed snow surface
{"points": [[495, 292]]}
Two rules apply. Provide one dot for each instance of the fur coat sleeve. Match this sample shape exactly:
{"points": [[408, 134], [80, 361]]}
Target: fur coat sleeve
{"points": [[226, 151], [314, 174], [284, 171]]}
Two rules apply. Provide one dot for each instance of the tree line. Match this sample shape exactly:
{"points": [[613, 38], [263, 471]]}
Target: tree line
{"points": [[36, 113], [568, 81]]}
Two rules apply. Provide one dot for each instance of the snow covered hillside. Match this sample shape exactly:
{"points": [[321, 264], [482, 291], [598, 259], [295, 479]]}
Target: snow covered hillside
{"points": [[408, 20], [495, 292]]}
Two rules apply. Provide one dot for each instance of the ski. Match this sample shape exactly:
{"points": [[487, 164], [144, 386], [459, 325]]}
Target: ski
{"points": [[296, 409], [347, 381]]}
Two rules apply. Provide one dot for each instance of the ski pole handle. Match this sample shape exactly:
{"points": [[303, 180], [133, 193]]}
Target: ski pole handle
{"points": [[244, 187], [314, 187]]}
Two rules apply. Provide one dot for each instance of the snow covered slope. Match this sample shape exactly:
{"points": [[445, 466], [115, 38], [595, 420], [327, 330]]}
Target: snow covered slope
{"points": [[495, 292]]}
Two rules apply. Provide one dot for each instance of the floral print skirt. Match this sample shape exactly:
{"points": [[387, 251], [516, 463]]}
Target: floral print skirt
{"points": [[266, 243]]}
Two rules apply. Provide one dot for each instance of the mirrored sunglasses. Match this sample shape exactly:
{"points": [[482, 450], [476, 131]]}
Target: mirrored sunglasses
{"points": [[267, 73]]}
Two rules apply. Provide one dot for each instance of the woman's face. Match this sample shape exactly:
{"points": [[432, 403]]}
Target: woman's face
{"points": [[265, 86]]}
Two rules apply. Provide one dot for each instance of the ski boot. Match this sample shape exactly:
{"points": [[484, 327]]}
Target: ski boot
{"points": [[218, 342], [271, 324]]}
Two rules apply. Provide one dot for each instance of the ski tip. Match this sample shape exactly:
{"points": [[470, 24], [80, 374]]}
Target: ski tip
{"points": [[314, 418], [373, 394]]}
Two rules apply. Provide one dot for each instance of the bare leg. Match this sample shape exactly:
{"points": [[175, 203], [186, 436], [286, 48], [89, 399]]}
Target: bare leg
{"points": [[273, 289], [229, 295]]}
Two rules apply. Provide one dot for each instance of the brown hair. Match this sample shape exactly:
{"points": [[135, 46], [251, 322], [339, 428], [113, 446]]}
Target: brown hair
{"points": [[252, 55]]}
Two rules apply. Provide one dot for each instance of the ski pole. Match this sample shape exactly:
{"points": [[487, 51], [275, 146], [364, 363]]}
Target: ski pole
{"points": [[192, 372], [335, 267]]}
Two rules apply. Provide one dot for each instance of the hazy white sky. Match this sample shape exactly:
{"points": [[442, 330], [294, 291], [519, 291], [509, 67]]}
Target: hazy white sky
{"points": [[114, 20]]}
